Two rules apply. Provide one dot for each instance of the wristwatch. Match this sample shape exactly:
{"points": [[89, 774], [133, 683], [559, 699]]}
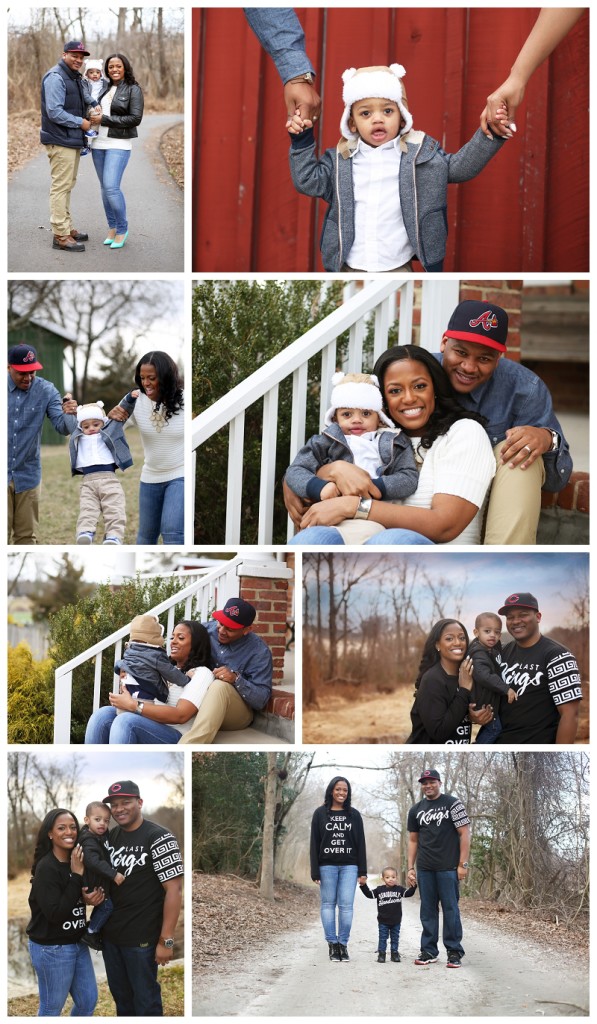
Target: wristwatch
{"points": [[139, 708], [363, 508], [168, 943], [464, 864], [555, 440], [306, 77]]}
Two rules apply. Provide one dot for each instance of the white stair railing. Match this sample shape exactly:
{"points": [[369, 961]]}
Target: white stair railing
{"points": [[199, 598], [377, 300]]}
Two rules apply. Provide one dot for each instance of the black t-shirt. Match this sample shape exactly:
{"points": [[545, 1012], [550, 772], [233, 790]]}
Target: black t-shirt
{"points": [[148, 856], [389, 901], [436, 822], [545, 676], [57, 907], [337, 837], [440, 711]]}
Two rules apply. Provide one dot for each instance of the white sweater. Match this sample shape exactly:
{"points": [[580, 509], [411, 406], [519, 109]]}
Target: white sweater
{"points": [[460, 462], [163, 449]]}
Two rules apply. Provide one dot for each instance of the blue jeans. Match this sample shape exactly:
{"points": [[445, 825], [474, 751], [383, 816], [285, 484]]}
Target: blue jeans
{"points": [[132, 977], [99, 915], [437, 887], [105, 726], [330, 535], [161, 511], [490, 732], [337, 887], [385, 930], [60, 970], [110, 165]]}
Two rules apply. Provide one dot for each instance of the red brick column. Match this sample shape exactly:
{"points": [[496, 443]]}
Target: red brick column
{"points": [[269, 597]]}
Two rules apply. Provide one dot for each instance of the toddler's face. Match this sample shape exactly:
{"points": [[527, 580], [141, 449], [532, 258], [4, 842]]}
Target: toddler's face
{"points": [[389, 878], [91, 426], [98, 821], [356, 421], [489, 632], [376, 120], [94, 74]]}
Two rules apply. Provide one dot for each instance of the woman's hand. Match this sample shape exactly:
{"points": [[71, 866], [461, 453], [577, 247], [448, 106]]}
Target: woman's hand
{"points": [[465, 674], [482, 715], [295, 506], [123, 701], [118, 413], [94, 897], [77, 861], [362, 879], [501, 108], [330, 513], [349, 479]]}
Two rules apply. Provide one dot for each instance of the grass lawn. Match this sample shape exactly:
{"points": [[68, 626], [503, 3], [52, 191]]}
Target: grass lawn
{"points": [[59, 502], [171, 980]]}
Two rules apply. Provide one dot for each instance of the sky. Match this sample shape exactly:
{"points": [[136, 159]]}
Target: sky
{"points": [[96, 772], [99, 563], [488, 579]]}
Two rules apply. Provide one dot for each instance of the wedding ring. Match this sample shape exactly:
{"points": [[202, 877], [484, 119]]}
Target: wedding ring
{"points": [[529, 450]]}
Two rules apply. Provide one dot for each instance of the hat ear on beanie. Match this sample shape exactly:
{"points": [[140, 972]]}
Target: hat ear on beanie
{"points": [[379, 82]]}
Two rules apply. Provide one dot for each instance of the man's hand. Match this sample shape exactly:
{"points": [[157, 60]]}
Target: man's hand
{"points": [[94, 897], [411, 876], [225, 674], [163, 955], [69, 405], [462, 873], [295, 123], [525, 444], [303, 101], [483, 716]]}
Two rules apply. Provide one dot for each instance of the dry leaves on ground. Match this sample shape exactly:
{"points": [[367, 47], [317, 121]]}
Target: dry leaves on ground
{"points": [[533, 925], [172, 149], [23, 140], [229, 915]]}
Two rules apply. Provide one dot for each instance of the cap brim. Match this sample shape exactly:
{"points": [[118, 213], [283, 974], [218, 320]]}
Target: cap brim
{"points": [[509, 607], [429, 778], [475, 339], [109, 799], [26, 369], [226, 621]]}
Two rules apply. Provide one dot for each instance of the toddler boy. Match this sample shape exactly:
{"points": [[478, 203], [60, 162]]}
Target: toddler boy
{"points": [[98, 868], [97, 449], [389, 898], [488, 685]]}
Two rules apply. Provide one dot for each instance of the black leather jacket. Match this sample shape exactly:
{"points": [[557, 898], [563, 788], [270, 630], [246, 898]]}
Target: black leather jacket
{"points": [[126, 111]]}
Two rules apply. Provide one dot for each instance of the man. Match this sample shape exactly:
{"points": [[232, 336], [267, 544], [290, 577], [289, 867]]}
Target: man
{"points": [[439, 838], [30, 400], [139, 934], [280, 33], [243, 673], [545, 676], [528, 443], [64, 105]]}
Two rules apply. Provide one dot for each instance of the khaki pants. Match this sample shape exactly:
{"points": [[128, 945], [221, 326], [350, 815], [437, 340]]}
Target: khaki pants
{"points": [[64, 164], [514, 503], [222, 708], [23, 515], [102, 494]]}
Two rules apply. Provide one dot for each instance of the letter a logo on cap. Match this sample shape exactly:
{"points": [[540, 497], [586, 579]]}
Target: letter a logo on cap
{"points": [[487, 320]]}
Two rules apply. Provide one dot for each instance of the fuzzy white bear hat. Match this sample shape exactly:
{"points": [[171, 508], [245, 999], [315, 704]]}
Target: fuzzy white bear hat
{"points": [[356, 391], [91, 411], [378, 81]]}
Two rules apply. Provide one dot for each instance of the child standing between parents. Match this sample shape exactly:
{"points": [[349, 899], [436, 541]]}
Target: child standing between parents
{"points": [[488, 685], [389, 898], [358, 431], [386, 184], [98, 871], [97, 449]]}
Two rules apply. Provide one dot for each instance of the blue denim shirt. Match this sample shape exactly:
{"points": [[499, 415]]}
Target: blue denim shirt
{"points": [[514, 396], [26, 413], [251, 658], [280, 33]]}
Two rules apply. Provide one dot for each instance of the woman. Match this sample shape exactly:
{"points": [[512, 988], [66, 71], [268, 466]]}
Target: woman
{"points": [[160, 723], [452, 450], [442, 712], [122, 110], [337, 834], [57, 901], [158, 413]]}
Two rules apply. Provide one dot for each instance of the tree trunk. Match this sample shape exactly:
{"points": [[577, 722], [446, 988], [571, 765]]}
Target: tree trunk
{"points": [[266, 887]]}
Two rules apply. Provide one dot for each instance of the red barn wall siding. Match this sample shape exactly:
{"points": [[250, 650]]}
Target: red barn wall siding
{"points": [[527, 211]]}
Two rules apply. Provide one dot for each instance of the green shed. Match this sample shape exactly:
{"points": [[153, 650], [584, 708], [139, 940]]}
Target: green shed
{"points": [[49, 341]]}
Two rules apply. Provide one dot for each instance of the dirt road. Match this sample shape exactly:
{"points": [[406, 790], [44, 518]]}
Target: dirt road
{"points": [[293, 977]]}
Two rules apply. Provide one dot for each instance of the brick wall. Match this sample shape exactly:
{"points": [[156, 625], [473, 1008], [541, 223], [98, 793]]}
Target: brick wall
{"points": [[269, 596]]}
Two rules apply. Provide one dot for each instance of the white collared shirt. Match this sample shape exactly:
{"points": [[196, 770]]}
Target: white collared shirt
{"points": [[365, 451], [380, 238]]}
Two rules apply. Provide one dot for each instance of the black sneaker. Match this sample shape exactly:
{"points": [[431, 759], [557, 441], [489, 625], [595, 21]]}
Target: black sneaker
{"points": [[453, 959], [334, 951], [425, 958], [343, 952], [92, 939], [381, 957], [395, 957]]}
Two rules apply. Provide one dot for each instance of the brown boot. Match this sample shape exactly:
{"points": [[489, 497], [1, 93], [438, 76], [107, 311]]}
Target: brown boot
{"points": [[79, 236], [67, 244]]}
